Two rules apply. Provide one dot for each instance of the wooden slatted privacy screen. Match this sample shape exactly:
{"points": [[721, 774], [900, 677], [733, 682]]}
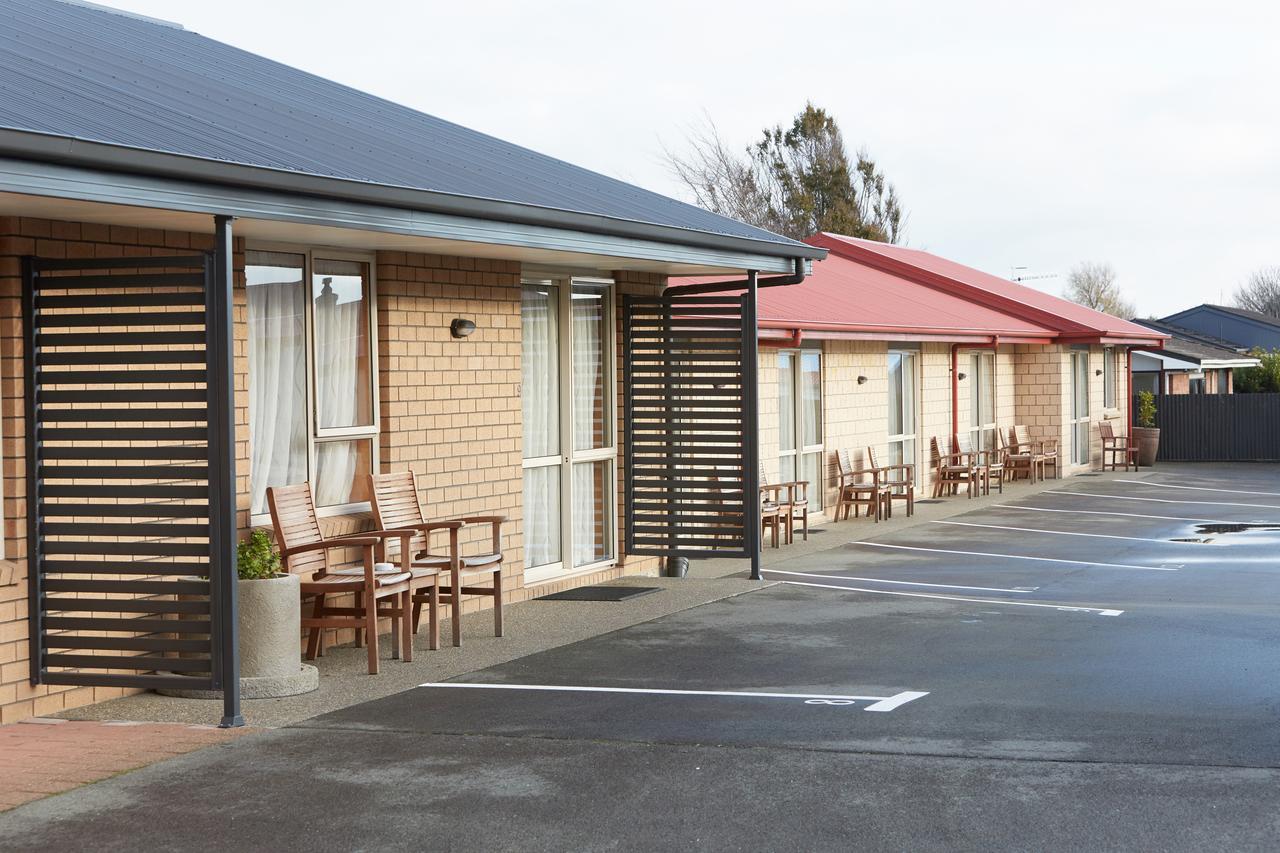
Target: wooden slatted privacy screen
{"points": [[689, 384], [119, 443], [1218, 427]]}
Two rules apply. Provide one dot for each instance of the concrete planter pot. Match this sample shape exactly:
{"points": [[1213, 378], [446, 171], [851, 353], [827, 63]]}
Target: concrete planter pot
{"points": [[270, 651], [1148, 441]]}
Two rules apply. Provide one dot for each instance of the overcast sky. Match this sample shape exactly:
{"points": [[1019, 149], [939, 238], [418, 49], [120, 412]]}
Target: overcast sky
{"points": [[1018, 134]]}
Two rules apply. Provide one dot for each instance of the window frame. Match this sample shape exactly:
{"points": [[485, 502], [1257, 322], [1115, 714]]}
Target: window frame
{"points": [[1109, 378], [799, 453], [315, 434], [983, 435]]}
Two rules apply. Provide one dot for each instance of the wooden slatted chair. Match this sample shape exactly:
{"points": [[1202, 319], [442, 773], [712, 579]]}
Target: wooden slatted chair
{"points": [[861, 487], [950, 471], [396, 506], [1023, 459], [305, 551], [900, 480], [794, 507], [1114, 446], [987, 463], [1045, 450]]}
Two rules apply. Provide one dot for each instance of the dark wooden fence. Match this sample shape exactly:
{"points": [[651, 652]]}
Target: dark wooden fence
{"points": [[1218, 427]]}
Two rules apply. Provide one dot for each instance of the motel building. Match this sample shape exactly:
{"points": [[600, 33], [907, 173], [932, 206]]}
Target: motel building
{"points": [[219, 274], [887, 347]]}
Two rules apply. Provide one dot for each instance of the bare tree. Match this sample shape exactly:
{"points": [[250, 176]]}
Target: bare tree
{"points": [[1093, 285], [797, 180], [1261, 292]]}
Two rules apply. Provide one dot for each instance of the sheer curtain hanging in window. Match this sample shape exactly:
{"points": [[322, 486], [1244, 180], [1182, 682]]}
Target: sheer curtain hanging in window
{"points": [[277, 374], [587, 316], [540, 398], [338, 342]]}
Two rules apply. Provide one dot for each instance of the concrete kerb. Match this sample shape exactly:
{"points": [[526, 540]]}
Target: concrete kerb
{"points": [[530, 627]]}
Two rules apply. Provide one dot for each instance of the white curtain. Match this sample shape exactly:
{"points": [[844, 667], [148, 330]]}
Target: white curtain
{"points": [[540, 397], [588, 423], [277, 381], [338, 342]]}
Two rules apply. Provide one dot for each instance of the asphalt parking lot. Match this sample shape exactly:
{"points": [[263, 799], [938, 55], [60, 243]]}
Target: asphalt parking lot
{"points": [[1092, 667]]}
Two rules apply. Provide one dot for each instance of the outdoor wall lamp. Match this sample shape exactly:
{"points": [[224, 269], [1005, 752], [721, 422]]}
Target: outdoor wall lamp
{"points": [[461, 328], [960, 376], [1097, 371], [862, 380]]}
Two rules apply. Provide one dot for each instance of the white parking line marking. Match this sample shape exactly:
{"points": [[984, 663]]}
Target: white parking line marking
{"points": [[1059, 532], [878, 703], [1015, 557], [904, 583], [1068, 608], [1120, 514], [1195, 488], [1161, 500]]}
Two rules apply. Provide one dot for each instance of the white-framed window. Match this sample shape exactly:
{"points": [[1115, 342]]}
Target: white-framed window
{"points": [[569, 400], [313, 413], [800, 447], [903, 365], [982, 399], [1109, 378]]}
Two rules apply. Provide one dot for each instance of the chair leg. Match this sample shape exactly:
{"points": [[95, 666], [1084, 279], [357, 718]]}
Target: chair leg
{"points": [[396, 620], [313, 639], [371, 625], [433, 616], [406, 627], [497, 602], [359, 603], [455, 611], [805, 519], [417, 615]]}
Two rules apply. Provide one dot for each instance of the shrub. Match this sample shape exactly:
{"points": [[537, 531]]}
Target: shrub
{"points": [[1263, 379], [256, 557], [1146, 409]]}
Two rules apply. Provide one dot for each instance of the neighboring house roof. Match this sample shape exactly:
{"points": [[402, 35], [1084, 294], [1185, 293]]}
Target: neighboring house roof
{"points": [[1241, 327], [874, 291], [1194, 347], [87, 85]]}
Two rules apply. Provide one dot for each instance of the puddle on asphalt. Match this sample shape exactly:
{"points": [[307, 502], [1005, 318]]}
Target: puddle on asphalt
{"points": [[1208, 533]]}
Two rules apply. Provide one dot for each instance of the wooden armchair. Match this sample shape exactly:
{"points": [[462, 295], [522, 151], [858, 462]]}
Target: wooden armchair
{"points": [[1045, 451], [899, 479], [986, 463], [1114, 446], [951, 470], [794, 506], [396, 507], [304, 551], [861, 487]]}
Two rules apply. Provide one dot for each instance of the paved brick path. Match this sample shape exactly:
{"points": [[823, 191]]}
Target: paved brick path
{"points": [[46, 756]]}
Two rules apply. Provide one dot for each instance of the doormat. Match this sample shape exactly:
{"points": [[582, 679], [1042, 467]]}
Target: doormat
{"points": [[599, 593], [929, 501]]}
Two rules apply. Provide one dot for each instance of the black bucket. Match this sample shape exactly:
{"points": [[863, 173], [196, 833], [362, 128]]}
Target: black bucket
{"points": [[676, 567]]}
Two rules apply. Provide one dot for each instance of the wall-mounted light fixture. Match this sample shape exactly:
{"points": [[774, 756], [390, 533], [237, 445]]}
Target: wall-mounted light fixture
{"points": [[1097, 371], [461, 328], [960, 376], [862, 380]]}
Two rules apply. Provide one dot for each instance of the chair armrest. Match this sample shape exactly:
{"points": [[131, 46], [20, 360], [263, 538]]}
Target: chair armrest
{"points": [[496, 521], [336, 542], [772, 487]]}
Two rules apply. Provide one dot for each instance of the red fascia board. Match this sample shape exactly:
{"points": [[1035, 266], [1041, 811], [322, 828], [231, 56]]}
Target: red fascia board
{"points": [[853, 331]]}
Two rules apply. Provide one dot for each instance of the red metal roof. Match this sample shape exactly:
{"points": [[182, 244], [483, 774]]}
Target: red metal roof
{"points": [[877, 291], [1070, 321]]}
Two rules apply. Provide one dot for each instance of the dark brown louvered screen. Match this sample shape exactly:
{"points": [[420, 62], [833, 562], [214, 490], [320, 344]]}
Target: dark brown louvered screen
{"points": [[690, 399], [120, 434]]}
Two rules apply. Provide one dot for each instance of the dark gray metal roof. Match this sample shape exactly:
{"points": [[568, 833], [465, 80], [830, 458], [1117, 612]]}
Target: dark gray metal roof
{"points": [[1192, 344], [74, 71]]}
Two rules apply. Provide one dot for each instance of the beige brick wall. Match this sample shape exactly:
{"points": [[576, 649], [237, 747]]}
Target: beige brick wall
{"points": [[450, 409]]}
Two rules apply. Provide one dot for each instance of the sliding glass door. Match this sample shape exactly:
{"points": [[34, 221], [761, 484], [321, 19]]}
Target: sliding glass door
{"points": [[982, 399], [570, 445], [1080, 419], [800, 448], [902, 407]]}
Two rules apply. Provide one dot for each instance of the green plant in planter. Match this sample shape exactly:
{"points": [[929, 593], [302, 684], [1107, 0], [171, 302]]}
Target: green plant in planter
{"points": [[1146, 409], [256, 557]]}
